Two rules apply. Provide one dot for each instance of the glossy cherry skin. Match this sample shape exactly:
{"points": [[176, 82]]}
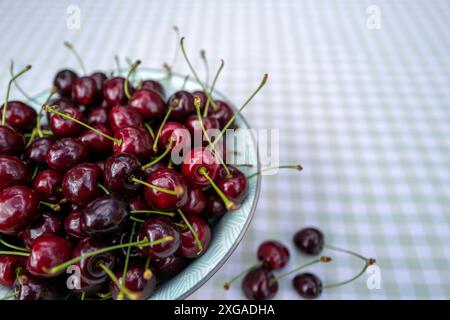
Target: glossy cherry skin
{"points": [[168, 179], [11, 141], [188, 247], [97, 144], [223, 113], [154, 229], [20, 116], [259, 284], [80, 184], [309, 241], [197, 158], [307, 285], [214, 209], [29, 287], [168, 267], [62, 127], [98, 115], [13, 171], [176, 132], [148, 104], [62, 103], [137, 203], [273, 254], [194, 126], [121, 117], [48, 251], [113, 91], [119, 168], [234, 187], [203, 98], [36, 152], [63, 82], [66, 153], [136, 280], [182, 103], [47, 185], [84, 91], [9, 265], [196, 201], [72, 225], [99, 79], [104, 215], [46, 223], [153, 85], [135, 141], [18, 209]]}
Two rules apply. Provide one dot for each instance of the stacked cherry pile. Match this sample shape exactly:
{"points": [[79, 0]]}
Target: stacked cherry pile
{"points": [[95, 193]]}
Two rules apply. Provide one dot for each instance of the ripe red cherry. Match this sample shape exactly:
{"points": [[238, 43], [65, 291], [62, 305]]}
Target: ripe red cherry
{"points": [[62, 103], [118, 170], [9, 265], [196, 201], [175, 132], [137, 203], [46, 223], [135, 141], [273, 254], [11, 141], [72, 225], [62, 127], [259, 284], [182, 103], [121, 117], [148, 104], [66, 153], [98, 115], [235, 186], [29, 287], [63, 82], [48, 251], [18, 209], [80, 184], [47, 185], [99, 78], [200, 158], [137, 280], [170, 266], [84, 91], [153, 85], [223, 113], [36, 152], [13, 171], [98, 145], [309, 241], [113, 91], [168, 179], [20, 116], [214, 209], [308, 285], [189, 247], [194, 126], [157, 228]]}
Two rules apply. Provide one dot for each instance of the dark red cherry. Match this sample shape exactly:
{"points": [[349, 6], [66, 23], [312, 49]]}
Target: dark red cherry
{"points": [[62, 127], [13, 171], [135, 141], [99, 78], [214, 209], [98, 145], [18, 209], [122, 117], [48, 251], [36, 152], [182, 103], [308, 285], [137, 203], [80, 184], [168, 267], [223, 113], [273, 254], [72, 225], [168, 179], [194, 126], [47, 185], [119, 168], [46, 223], [20, 116], [156, 228], [259, 284], [196, 201], [189, 247], [66, 153], [138, 280], [203, 98], [197, 158], [104, 215], [148, 104], [153, 85], [98, 115], [63, 82], [9, 267], [113, 91], [11, 141], [84, 91], [154, 167], [309, 241], [62, 103], [29, 287], [235, 186], [176, 132]]}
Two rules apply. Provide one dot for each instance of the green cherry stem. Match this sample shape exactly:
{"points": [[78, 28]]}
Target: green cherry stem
{"points": [[163, 213], [127, 259], [230, 205], [35, 172], [211, 90], [228, 283], [206, 65], [83, 295], [72, 49], [166, 117], [52, 206], [150, 130], [5, 106], [178, 189], [295, 167], [191, 229], [14, 253], [175, 56], [16, 84], [130, 72], [186, 78], [124, 290], [103, 188], [39, 117], [11, 246], [323, 259], [158, 159], [137, 219], [118, 66]]}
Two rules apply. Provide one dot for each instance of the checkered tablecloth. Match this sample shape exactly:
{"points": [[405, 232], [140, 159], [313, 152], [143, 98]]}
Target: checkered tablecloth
{"points": [[365, 111]]}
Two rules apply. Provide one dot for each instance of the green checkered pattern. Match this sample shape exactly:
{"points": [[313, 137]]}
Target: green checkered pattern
{"points": [[366, 112]]}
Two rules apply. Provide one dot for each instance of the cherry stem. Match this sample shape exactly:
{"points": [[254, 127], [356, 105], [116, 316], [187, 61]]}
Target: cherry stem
{"points": [[132, 70], [186, 78], [137, 219], [230, 205], [206, 65], [142, 243], [5, 106], [11, 246], [30, 141], [66, 116], [15, 253], [52, 206], [191, 229], [222, 132], [245, 165], [72, 49], [228, 283], [175, 56], [158, 159], [295, 167], [103, 188], [35, 172], [211, 90], [122, 288], [39, 117], [163, 213], [166, 117], [323, 259], [117, 61], [150, 130], [16, 84], [178, 189], [83, 295]]}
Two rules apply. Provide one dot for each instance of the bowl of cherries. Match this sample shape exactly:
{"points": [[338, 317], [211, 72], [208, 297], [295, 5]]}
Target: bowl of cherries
{"points": [[106, 192]]}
